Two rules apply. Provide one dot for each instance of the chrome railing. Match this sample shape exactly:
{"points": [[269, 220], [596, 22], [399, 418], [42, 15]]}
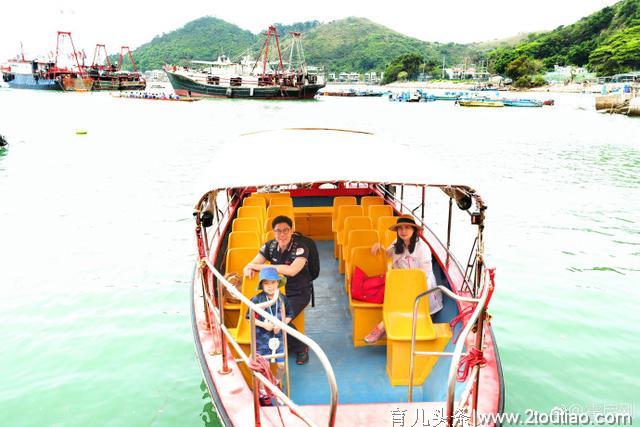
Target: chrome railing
{"points": [[313, 346], [458, 350]]}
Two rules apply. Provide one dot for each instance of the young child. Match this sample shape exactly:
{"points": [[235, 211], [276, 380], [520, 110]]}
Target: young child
{"points": [[266, 331]]}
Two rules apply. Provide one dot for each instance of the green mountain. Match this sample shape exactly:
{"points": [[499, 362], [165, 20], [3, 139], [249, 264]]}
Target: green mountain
{"points": [[202, 39], [359, 44], [351, 44], [607, 42]]}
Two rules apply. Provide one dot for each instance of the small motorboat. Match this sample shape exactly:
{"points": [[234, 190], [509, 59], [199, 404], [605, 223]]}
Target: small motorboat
{"points": [[531, 103], [480, 103], [445, 366]]}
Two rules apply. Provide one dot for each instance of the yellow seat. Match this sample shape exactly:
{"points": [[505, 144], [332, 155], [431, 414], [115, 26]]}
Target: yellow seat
{"points": [[252, 212], [237, 259], [383, 223], [365, 316], [350, 223], [344, 212], [401, 289], [269, 235], [367, 201], [388, 238], [246, 224], [354, 239], [283, 200], [268, 196], [277, 210], [244, 239], [337, 202], [255, 201], [376, 211]]}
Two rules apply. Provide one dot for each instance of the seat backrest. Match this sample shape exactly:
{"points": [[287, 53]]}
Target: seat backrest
{"points": [[337, 202], [281, 201], [402, 286], [372, 265], [268, 196], [244, 239], [383, 223], [246, 224], [367, 201], [238, 258], [346, 211], [353, 223], [251, 212], [355, 238], [388, 238], [255, 201], [269, 235], [276, 210], [249, 290], [376, 211]]}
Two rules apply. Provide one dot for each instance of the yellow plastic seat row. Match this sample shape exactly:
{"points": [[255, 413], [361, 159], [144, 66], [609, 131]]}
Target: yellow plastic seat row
{"points": [[237, 259], [277, 210], [402, 286], [252, 212], [367, 201], [354, 239], [377, 211], [343, 213], [365, 316], [244, 239], [268, 197], [246, 224], [350, 223]]}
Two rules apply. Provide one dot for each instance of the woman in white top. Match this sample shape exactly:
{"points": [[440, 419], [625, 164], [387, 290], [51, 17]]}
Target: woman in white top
{"points": [[408, 251]]}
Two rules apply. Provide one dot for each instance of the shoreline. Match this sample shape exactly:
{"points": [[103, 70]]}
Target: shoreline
{"points": [[592, 89]]}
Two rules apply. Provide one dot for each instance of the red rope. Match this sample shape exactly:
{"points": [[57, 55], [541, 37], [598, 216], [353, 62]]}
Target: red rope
{"points": [[262, 366], [475, 357], [460, 318]]}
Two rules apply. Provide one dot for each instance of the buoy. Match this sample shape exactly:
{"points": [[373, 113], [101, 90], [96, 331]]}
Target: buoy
{"points": [[81, 132]]}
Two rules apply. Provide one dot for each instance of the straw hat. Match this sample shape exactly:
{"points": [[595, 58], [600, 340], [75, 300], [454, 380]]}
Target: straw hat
{"points": [[405, 220]]}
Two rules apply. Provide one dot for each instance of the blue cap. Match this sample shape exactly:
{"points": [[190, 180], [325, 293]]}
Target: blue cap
{"points": [[270, 273]]}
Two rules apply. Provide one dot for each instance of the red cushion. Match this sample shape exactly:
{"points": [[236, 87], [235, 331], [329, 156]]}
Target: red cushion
{"points": [[367, 289]]}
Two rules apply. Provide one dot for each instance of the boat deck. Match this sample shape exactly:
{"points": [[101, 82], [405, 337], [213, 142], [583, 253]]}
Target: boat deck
{"points": [[360, 372]]}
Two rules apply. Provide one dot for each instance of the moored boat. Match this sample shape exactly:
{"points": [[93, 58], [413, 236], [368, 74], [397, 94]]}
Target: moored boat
{"points": [[419, 367], [45, 74], [522, 103], [480, 103], [227, 79]]}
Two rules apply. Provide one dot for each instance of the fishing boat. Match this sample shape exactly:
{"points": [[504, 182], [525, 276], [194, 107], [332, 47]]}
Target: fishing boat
{"points": [[480, 103], [531, 103], [46, 74], [449, 96], [108, 76], [444, 369], [224, 78]]}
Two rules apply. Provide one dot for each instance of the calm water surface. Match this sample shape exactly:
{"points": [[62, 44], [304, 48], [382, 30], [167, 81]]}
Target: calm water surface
{"points": [[96, 249]]}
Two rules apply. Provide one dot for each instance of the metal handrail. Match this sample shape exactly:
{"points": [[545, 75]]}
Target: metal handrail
{"points": [[413, 353], [455, 361], [322, 357], [457, 352]]}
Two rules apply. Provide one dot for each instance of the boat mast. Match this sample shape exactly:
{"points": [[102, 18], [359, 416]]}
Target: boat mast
{"points": [[96, 54], [265, 48], [296, 45], [133, 63], [61, 36]]}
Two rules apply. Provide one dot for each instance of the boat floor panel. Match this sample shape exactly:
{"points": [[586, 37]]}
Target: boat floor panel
{"points": [[360, 373]]}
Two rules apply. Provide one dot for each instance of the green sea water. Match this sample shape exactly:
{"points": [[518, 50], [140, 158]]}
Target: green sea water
{"points": [[97, 250]]}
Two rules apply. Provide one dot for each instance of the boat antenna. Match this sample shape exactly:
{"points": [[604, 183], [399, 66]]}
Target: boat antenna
{"points": [[21, 51]]}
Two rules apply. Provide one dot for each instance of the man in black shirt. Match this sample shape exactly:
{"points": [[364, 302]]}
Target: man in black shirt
{"points": [[289, 256]]}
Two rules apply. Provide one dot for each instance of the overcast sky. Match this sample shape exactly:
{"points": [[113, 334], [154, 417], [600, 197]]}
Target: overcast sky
{"points": [[133, 23]]}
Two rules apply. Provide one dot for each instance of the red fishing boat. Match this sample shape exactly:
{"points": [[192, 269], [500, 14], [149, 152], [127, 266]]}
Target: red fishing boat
{"points": [[443, 370]]}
